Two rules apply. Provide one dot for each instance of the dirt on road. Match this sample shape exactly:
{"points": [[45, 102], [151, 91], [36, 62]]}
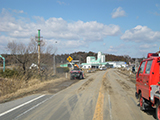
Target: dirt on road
{"points": [[119, 90]]}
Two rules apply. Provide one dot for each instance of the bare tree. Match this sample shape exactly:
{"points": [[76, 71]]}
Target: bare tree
{"points": [[20, 52], [25, 55]]}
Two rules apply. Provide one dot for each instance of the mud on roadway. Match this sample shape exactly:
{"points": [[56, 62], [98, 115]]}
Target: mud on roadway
{"points": [[119, 97]]}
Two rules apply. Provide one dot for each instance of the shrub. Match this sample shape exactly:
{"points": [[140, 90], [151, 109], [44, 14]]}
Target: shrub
{"points": [[62, 69], [9, 73]]}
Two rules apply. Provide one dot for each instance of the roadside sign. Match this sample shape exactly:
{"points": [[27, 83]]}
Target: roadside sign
{"points": [[69, 59]]}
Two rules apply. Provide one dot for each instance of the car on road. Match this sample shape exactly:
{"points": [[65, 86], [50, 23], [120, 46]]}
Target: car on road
{"points": [[76, 73], [102, 68]]}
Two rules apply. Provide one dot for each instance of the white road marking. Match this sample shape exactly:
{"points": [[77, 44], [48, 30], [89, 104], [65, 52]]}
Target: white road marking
{"points": [[34, 107], [110, 107], [21, 105]]}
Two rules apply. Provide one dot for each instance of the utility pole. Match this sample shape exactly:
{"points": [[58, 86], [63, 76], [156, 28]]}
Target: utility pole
{"points": [[39, 49]]}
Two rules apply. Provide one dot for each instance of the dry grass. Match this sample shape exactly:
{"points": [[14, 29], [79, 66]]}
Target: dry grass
{"points": [[13, 88], [10, 85], [129, 74]]}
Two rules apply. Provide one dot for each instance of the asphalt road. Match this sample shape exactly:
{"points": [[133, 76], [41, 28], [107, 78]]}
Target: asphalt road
{"points": [[104, 95]]}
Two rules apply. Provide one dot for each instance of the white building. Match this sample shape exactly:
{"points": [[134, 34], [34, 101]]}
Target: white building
{"points": [[117, 64], [100, 62], [93, 63], [100, 58], [89, 59]]}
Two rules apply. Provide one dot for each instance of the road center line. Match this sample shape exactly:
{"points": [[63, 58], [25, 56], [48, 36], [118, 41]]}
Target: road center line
{"points": [[21, 105], [98, 114]]}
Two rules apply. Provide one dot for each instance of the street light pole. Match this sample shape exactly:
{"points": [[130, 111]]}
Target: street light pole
{"points": [[54, 66]]}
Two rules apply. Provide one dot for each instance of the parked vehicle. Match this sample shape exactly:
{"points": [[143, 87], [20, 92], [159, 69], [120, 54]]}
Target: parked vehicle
{"points": [[102, 68], [148, 83], [76, 73]]}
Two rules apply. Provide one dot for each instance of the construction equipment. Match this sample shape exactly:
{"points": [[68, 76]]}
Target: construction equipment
{"points": [[76, 73]]}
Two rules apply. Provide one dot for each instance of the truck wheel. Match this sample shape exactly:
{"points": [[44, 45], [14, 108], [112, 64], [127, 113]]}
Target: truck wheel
{"points": [[141, 102], [80, 77], [158, 111]]}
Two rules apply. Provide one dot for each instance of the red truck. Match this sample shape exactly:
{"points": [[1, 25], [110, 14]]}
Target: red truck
{"points": [[148, 83]]}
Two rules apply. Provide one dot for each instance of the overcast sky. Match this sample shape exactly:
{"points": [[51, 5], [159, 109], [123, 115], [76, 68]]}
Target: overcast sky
{"points": [[120, 27]]}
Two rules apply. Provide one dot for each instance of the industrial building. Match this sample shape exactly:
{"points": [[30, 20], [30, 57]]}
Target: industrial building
{"points": [[100, 62], [93, 63]]}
